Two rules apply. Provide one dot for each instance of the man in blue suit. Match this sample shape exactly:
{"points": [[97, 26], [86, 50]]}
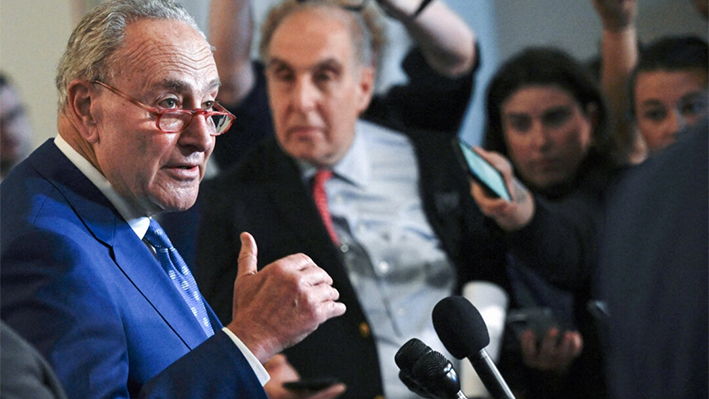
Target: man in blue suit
{"points": [[137, 123]]}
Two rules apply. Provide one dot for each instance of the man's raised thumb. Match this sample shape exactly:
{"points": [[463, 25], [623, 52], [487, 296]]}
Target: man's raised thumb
{"points": [[247, 255]]}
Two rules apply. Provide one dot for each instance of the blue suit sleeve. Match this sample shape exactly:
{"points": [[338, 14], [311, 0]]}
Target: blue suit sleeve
{"points": [[231, 378]]}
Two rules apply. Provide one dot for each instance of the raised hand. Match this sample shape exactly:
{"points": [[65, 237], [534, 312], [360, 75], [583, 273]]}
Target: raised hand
{"points": [[278, 306], [510, 216], [616, 15]]}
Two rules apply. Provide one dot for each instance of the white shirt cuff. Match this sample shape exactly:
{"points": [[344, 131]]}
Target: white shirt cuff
{"points": [[255, 364]]}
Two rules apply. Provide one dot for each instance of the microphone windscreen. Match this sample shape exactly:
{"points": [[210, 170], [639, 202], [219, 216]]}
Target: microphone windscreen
{"points": [[431, 366], [437, 376], [409, 353], [460, 326]]}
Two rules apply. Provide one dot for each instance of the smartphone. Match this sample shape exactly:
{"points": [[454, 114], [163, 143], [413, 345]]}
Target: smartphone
{"points": [[538, 319], [481, 171], [310, 384]]}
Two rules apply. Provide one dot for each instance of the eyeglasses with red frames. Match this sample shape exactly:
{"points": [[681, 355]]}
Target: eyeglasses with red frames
{"points": [[177, 120]]}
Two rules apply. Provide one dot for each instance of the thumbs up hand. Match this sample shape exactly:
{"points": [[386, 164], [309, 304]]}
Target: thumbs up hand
{"points": [[279, 305]]}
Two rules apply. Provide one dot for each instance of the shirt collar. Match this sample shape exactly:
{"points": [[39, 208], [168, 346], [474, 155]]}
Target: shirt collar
{"points": [[354, 167], [139, 223]]}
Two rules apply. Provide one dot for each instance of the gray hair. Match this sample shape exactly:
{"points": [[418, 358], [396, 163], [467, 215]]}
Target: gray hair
{"points": [[365, 26], [101, 32]]}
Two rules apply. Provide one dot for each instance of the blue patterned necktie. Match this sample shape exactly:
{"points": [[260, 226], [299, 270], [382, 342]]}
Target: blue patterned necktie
{"points": [[179, 273]]}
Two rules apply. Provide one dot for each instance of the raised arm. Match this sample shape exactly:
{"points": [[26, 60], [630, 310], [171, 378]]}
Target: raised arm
{"points": [[619, 55], [445, 39], [231, 32]]}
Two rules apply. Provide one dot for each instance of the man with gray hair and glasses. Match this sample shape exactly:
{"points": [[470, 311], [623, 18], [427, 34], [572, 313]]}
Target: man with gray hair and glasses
{"points": [[88, 276]]}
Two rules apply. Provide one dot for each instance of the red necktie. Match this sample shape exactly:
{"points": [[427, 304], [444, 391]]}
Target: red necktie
{"points": [[320, 198]]}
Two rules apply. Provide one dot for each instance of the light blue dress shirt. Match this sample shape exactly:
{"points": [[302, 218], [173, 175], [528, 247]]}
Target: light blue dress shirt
{"points": [[393, 257]]}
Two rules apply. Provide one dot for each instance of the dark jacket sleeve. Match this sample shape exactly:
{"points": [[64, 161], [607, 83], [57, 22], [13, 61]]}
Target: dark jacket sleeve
{"points": [[253, 123], [427, 101]]}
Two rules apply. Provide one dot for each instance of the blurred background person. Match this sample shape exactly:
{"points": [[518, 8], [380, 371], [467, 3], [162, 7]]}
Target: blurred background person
{"points": [[402, 231], [439, 65], [666, 86], [546, 113], [669, 89], [653, 275], [443, 43], [654, 89], [15, 129]]}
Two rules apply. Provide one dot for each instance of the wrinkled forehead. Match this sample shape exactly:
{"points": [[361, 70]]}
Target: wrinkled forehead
{"points": [[313, 31], [165, 50]]}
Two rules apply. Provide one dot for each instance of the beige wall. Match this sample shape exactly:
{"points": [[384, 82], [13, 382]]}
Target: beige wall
{"points": [[33, 34]]}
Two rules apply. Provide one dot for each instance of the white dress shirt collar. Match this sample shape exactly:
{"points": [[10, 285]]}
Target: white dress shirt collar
{"points": [[139, 223]]}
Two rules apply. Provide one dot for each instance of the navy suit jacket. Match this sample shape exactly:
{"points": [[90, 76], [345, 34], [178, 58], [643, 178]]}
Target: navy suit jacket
{"points": [[79, 284]]}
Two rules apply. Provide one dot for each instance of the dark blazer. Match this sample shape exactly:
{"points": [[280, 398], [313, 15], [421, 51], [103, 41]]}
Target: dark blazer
{"points": [[654, 274], [266, 197], [560, 244], [80, 285]]}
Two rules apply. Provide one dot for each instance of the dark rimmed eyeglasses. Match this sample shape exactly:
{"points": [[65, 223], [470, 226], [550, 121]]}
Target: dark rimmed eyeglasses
{"points": [[177, 120], [352, 5]]}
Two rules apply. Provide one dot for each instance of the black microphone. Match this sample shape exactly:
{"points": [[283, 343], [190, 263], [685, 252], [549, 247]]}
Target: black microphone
{"points": [[436, 374], [464, 334], [427, 372], [409, 353], [405, 358]]}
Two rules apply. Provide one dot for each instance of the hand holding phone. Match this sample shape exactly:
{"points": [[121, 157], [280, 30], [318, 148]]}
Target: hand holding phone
{"points": [[547, 352], [480, 170], [537, 319]]}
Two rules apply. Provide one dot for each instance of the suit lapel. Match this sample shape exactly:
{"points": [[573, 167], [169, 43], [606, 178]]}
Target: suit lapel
{"points": [[294, 203], [130, 254]]}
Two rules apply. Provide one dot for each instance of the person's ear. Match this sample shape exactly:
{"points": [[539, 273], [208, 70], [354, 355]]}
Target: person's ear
{"points": [[80, 109], [365, 88]]}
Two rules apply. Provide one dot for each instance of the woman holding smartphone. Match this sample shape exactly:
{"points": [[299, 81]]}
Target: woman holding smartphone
{"points": [[546, 114]]}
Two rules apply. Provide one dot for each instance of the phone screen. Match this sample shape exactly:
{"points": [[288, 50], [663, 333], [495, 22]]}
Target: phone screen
{"points": [[484, 173]]}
